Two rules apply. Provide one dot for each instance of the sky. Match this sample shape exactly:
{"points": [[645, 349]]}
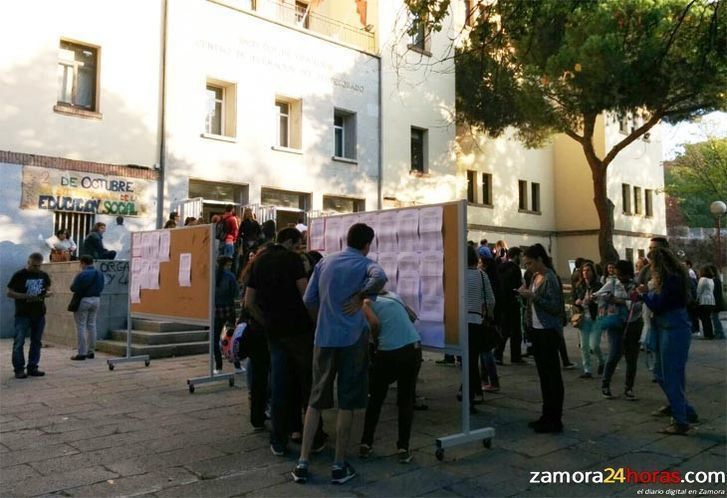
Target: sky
{"points": [[673, 136]]}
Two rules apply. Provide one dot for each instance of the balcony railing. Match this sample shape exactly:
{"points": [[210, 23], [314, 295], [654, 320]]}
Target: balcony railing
{"points": [[294, 15]]}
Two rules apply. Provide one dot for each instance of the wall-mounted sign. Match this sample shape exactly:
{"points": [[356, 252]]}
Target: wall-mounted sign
{"points": [[79, 192]]}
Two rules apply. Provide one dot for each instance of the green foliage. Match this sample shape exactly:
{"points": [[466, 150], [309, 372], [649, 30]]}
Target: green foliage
{"points": [[550, 66], [697, 177]]}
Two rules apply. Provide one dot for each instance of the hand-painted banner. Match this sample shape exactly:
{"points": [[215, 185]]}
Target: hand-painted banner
{"points": [[79, 192]]}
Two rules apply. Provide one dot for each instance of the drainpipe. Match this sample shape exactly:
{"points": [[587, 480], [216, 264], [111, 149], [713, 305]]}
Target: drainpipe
{"points": [[161, 182], [380, 181]]}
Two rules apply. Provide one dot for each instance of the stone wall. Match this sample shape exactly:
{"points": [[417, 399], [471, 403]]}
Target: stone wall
{"points": [[60, 327]]}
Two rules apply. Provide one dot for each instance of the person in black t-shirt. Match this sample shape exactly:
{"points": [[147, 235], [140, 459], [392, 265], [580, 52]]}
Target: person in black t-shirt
{"points": [[274, 297], [29, 287]]}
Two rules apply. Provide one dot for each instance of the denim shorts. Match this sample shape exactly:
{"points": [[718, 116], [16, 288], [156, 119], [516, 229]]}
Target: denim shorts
{"points": [[350, 365]]}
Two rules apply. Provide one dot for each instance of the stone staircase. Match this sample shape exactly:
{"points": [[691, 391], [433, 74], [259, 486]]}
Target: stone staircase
{"points": [[158, 339]]}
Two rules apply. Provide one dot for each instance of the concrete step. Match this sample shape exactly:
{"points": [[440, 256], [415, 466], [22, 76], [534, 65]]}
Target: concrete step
{"points": [[162, 326], [118, 348], [147, 337]]}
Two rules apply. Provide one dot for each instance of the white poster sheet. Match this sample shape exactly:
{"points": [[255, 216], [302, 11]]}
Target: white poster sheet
{"points": [[317, 234], [407, 230], [430, 228], [185, 269]]}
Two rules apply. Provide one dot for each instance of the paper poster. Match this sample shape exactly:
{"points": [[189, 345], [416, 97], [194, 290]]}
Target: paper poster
{"points": [[154, 246], [432, 303], [407, 230], [430, 228], [153, 275], [372, 220], [432, 264], [386, 242], [388, 261], [408, 262], [317, 234], [407, 286], [135, 291], [136, 245], [165, 238], [185, 268], [334, 227]]}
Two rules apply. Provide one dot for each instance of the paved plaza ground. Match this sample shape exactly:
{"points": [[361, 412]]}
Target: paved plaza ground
{"points": [[83, 430]]}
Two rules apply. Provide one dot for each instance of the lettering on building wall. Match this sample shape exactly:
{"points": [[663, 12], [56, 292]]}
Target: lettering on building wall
{"points": [[116, 273], [285, 59], [77, 192]]}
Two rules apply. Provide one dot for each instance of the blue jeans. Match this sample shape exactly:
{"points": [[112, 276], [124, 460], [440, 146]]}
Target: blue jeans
{"points": [[227, 249], [673, 337], [590, 343], [623, 343], [25, 325], [717, 325], [488, 369]]}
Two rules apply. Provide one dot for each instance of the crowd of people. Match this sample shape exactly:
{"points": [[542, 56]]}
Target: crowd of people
{"points": [[314, 322]]}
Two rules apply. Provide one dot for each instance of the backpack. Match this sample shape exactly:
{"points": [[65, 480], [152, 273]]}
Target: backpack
{"points": [[221, 229], [231, 343]]}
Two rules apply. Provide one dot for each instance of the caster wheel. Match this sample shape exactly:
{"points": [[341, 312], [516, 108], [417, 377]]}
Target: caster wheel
{"points": [[147, 363], [191, 389], [439, 453], [487, 443], [231, 381], [111, 367]]}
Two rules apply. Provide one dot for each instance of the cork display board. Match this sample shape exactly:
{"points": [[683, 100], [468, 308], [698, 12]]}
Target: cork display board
{"points": [[169, 294], [422, 251]]}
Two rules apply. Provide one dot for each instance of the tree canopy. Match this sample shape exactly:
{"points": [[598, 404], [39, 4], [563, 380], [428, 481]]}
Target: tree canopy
{"points": [[553, 66], [697, 177]]}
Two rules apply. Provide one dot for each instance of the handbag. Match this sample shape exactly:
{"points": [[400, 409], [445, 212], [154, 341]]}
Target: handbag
{"points": [[75, 302], [576, 320]]}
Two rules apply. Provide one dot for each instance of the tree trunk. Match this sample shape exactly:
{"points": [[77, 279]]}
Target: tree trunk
{"points": [[604, 208]]}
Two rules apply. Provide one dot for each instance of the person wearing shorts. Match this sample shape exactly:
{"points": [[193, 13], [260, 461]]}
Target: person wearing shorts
{"points": [[334, 298]]}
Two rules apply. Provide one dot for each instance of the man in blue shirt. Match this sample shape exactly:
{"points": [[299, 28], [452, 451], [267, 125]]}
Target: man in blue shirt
{"points": [[334, 297]]}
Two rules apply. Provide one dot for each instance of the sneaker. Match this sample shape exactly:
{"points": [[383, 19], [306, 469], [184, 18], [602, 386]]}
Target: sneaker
{"points": [[586, 375], [364, 451], [300, 473], [78, 357], [489, 388], [692, 417], [277, 450], [444, 362], [239, 370], [606, 392], [600, 369], [90, 355], [319, 443], [36, 373], [664, 411], [342, 474], [404, 456], [676, 429], [216, 371], [258, 428], [21, 375], [629, 395], [535, 423], [569, 366]]}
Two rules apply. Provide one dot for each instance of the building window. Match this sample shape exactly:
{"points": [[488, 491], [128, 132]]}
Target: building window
{"points": [[343, 204], [642, 253], [79, 225], [77, 76], [301, 14], [471, 186], [630, 254], [344, 134], [220, 116], [215, 195], [288, 123], [637, 200], [649, 202], [487, 189], [522, 195], [535, 197], [418, 150], [626, 197], [418, 34]]}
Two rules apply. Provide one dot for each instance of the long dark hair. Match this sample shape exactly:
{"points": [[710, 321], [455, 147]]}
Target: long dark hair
{"points": [[594, 275], [536, 251], [663, 265]]}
